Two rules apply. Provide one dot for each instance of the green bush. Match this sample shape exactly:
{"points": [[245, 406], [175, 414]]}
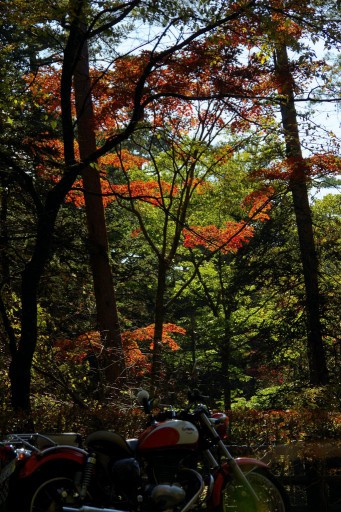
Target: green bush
{"points": [[293, 396]]}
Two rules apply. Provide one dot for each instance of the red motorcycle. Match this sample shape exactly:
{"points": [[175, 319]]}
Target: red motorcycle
{"points": [[178, 463]]}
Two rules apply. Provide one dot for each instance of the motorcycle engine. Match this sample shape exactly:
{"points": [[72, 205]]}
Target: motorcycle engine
{"points": [[161, 485], [174, 483], [167, 496], [162, 496]]}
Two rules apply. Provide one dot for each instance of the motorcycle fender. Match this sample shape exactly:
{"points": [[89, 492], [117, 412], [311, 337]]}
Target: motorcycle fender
{"points": [[37, 461], [225, 471]]}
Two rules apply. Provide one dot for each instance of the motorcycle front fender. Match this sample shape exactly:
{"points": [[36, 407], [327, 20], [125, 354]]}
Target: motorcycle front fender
{"points": [[47, 458], [225, 471]]}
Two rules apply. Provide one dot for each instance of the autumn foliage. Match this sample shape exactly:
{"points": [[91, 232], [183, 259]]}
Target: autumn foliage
{"points": [[316, 166], [137, 345], [258, 203], [228, 239]]}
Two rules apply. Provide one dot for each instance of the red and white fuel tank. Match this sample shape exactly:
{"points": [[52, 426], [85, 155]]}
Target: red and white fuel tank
{"points": [[169, 434]]}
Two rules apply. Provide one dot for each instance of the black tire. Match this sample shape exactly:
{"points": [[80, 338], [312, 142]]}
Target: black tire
{"points": [[53, 493], [272, 497]]}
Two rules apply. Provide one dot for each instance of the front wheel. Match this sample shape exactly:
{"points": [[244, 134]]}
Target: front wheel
{"points": [[271, 495]]}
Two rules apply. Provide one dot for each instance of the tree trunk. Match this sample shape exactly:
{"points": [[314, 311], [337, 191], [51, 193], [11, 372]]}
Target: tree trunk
{"points": [[22, 355], [298, 184], [227, 299], [4, 261], [225, 363], [158, 328], [107, 315]]}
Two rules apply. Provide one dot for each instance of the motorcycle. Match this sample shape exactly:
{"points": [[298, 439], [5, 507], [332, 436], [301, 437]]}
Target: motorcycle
{"points": [[179, 463]]}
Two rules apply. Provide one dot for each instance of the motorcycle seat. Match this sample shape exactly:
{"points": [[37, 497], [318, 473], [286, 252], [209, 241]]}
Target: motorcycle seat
{"points": [[110, 443]]}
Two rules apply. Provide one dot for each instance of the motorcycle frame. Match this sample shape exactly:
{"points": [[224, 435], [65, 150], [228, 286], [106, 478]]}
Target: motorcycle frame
{"points": [[231, 468]]}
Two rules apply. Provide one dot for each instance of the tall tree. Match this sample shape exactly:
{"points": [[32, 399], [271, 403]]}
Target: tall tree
{"points": [[286, 26], [107, 314], [299, 190]]}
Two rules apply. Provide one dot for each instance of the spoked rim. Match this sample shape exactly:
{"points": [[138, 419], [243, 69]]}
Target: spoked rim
{"points": [[236, 499]]}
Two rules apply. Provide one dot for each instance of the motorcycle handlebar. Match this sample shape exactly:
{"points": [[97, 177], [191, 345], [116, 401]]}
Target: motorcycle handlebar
{"points": [[196, 396]]}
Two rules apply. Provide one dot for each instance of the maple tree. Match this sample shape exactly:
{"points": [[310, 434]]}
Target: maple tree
{"points": [[189, 162], [89, 346], [101, 19], [145, 95], [213, 254]]}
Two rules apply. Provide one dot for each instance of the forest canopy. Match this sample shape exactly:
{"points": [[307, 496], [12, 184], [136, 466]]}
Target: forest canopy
{"points": [[169, 200]]}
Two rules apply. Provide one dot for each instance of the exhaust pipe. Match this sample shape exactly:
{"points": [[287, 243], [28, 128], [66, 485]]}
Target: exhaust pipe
{"points": [[86, 508]]}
